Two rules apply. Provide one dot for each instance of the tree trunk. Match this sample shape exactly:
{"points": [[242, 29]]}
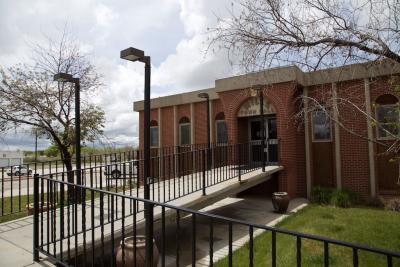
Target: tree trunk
{"points": [[67, 160]]}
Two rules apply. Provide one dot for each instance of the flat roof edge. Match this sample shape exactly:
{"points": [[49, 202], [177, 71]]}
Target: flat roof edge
{"points": [[357, 71], [177, 99]]}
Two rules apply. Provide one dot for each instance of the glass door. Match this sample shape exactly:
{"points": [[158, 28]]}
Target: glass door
{"points": [[255, 137], [272, 137], [271, 140]]}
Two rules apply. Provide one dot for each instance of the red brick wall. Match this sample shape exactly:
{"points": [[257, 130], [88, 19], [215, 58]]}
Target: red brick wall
{"points": [[167, 134], [200, 118], [283, 96], [353, 149], [291, 141]]}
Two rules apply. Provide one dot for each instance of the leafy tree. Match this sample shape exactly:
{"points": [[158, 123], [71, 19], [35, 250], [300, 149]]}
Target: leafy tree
{"points": [[51, 151], [30, 97]]}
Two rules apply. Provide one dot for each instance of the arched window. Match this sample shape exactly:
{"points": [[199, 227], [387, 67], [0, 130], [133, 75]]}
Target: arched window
{"points": [[321, 126], [153, 133], [184, 131], [221, 131], [387, 116]]}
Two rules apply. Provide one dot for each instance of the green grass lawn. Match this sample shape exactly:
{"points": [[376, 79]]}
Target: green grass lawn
{"points": [[362, 225], [19, 203]]}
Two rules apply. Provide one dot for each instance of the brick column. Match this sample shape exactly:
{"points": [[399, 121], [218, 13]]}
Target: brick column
{"points": [[338, 161], [372, 178], [175, 126], [192, 124], [211, 122], [307, 142]]}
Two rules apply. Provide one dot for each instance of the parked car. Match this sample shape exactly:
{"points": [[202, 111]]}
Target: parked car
{"points": [[115, 169], [19, 170]]}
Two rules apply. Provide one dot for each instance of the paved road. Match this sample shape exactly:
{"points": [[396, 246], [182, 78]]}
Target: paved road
{"points": [[22, 185]]}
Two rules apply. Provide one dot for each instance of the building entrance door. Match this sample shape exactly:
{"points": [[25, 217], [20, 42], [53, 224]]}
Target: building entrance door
{"points": [[271, 140]]}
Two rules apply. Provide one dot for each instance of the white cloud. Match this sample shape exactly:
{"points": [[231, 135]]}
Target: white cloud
{"points": [[104, 15], [171, 31], [192, 16]]}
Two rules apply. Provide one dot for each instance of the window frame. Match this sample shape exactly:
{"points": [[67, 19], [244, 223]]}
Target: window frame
{"points": [[158, 137], [216, 131], [378, 137], [312, 128], [180, 133]]}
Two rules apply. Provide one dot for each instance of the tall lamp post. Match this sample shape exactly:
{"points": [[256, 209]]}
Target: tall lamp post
{"points": [[258, 91], [36, 139], [65, 77], [133, 54], [207, 97]]}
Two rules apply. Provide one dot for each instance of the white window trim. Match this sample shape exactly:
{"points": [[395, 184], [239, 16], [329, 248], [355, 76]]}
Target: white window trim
{"points": [[216, 131], [377, 127], [180, 135], [312, 130], [158, 132]]}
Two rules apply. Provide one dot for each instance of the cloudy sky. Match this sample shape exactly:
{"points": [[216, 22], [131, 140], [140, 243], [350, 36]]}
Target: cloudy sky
{"points": [[172, 32]]}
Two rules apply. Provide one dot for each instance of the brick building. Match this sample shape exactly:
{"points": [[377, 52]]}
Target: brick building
{"points": [[314, 150]]}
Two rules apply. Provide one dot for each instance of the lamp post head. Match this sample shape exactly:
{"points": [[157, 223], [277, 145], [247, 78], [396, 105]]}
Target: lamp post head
{"points": [[131, 54], [256, 89], [203, 95], [63, 77]]}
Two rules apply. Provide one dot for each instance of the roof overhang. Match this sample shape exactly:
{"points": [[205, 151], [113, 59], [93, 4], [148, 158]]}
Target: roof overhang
{"points": [[280, 75], [178, 99]]}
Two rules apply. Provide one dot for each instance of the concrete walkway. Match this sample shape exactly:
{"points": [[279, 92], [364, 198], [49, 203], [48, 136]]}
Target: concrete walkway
{"points": [[16, 236], [251, 209]]}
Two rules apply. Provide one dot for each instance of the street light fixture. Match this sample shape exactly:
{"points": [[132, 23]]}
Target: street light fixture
{"points": [[259, 89], [65, 77], [134, 54], [207, 97]]}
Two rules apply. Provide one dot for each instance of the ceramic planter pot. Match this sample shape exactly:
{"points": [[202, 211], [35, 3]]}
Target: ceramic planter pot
{"points": [[46, 206], [129, 252], [280, 201]]}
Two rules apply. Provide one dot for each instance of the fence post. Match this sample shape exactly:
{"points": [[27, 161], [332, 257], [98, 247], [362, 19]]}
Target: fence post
{"points": [[239, 162], [36, 217], [203, 154], [138, 168]]}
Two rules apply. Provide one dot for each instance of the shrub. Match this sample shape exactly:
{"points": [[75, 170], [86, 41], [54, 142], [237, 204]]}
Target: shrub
{"points": [[393, 204], [321, 195], [341, 198], [336, 197]]}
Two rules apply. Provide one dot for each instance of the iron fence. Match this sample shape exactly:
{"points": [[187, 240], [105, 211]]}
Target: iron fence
{"points": [[16, 181], [89, 233], [122, 171]]}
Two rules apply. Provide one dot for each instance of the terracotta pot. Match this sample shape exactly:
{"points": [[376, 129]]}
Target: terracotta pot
{"points": [[46, 206], [129, 252], [280, 201]]}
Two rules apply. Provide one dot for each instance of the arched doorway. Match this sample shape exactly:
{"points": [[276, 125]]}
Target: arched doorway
{"points": [[250, 129]]}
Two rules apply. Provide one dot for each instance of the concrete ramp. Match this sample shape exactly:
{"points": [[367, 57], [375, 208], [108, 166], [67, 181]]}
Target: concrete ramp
{"points": [[16, 236], [225, 189]]}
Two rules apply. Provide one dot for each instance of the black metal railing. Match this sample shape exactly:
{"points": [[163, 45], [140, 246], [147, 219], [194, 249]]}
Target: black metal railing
{"points": [[16, 182], [89, 233], [122, 171]]}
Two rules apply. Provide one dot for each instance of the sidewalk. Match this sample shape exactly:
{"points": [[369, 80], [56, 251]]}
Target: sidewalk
{"points": [[16, 236], [15, 250]]}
